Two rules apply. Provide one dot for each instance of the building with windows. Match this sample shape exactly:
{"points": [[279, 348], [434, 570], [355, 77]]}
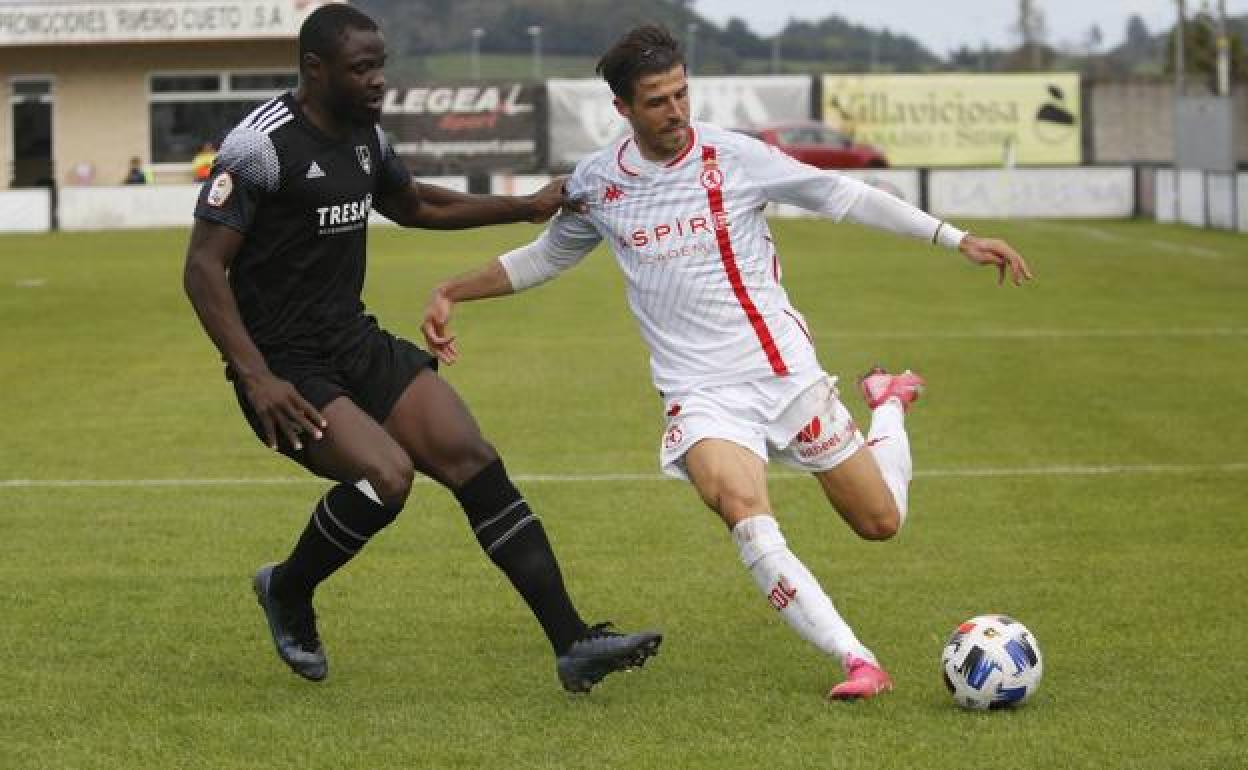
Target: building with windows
{"points": [[92, 84]]}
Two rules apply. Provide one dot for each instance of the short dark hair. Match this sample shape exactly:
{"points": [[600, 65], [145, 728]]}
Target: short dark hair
{"points": [[323, 30], [646, 50]]}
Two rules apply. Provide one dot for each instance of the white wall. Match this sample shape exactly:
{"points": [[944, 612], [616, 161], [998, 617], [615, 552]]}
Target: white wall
{"points": [[1033, 193], [130, 206], [1220, 200], [1166, 196], [133, 206], [25, 211], [517, 184], [1241, 195], [1192, 197]]}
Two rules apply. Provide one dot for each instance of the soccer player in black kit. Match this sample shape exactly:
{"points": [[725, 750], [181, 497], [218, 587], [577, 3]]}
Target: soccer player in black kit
{"points": [[275, 270]]}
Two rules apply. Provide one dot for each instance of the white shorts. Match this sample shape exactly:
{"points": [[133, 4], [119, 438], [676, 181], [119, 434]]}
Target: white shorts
{"points": [[804, 425]]}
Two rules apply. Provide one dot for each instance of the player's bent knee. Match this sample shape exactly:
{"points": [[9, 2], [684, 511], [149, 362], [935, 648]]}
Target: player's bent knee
{"points": [[392, 481], [881, 525], [464, 462], [736, 503]]}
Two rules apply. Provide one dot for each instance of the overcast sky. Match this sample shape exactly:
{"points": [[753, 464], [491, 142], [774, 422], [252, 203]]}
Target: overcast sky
{"points": [[944, 25]]}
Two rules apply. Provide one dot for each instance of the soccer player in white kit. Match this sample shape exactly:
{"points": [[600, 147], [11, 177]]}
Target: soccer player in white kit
{"points": [[681, 206]]}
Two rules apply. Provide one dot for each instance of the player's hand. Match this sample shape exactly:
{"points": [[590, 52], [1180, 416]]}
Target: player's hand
{"points": [[436, 327], [280, 407], [550, 199], [991, 251]]}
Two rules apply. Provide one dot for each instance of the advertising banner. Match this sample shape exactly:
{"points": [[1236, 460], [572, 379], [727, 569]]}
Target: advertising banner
{"points": [[449, 127], [584, 119], [43, 23], [960, 120], [1094, 193]]}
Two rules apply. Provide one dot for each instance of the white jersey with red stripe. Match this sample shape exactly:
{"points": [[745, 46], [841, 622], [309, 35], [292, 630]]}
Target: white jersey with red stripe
{"points": [[702, 269]]}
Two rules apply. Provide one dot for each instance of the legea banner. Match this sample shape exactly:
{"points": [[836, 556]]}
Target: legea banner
{"points": [[960, 120], [583, 118], [443, 127]]}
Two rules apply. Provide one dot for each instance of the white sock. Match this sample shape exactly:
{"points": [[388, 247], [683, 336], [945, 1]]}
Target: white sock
{"points": [[891, 446], [792, 590]]}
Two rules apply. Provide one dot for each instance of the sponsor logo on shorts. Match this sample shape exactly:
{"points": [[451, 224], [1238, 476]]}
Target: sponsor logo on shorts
{"points": [[673, 437], [810, 443], [674, 410]]}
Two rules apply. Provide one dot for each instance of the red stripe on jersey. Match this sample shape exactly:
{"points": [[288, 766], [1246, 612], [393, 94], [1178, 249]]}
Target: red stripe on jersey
{"points": [[715, 197]]}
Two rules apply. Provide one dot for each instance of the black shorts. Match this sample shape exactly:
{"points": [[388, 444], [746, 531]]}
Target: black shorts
{"points": [[373, 373]]}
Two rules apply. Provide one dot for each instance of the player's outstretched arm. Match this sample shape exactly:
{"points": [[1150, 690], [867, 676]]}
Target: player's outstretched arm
{"points": [[278, 405], [488, 281], [563, 245], [882, 211], [437, 208]]}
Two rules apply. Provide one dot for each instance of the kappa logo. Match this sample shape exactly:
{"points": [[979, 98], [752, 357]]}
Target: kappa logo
{"points": [[612, 193], [811, 432], [365, 159], [314, 172]]}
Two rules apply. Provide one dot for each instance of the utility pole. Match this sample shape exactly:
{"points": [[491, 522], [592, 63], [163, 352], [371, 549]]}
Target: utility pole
{"points": [[535, 32], [1224, 52], [1180, 32], [1031, 30], [475, 56]]}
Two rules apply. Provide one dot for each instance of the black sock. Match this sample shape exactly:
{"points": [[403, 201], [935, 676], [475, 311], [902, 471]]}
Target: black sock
{"points": [[342, 522], [514, 539]]}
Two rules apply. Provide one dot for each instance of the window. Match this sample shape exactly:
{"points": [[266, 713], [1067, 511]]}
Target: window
{"points": [[190, 108]]}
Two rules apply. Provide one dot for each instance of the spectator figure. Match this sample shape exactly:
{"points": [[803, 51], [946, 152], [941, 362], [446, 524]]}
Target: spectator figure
{"points": [[201, 164], [136, 174]]}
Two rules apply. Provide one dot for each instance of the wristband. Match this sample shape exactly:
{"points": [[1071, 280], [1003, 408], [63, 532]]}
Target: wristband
{"points": [[948, 236]]}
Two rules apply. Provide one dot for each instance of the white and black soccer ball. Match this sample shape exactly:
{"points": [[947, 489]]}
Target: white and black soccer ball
{"points": [[990, 662]]}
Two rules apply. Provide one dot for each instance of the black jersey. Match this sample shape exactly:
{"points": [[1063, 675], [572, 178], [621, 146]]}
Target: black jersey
{"points": [[301, 200]]}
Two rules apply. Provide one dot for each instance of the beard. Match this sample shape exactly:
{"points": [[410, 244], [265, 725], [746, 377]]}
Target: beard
{"points": [[355, 111], [367, 116]]}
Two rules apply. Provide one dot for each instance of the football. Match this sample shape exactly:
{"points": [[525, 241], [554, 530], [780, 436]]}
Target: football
{"points": [[991, 662]]}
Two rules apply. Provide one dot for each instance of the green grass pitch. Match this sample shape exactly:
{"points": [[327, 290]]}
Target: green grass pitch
{"points": [[1082, 458]]}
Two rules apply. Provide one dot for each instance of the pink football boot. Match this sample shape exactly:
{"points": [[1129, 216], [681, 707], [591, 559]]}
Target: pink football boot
{"points": [[864, 679], [878, 386]]}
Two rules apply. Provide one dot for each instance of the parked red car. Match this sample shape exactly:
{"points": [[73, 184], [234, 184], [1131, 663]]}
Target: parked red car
{"points": [[820, 146]]}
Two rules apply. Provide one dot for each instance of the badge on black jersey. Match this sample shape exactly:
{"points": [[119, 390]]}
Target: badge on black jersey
{"points": [[220, 190], [366, 161]]}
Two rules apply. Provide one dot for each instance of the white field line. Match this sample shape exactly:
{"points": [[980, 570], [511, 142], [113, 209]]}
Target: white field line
{"points": [[1096, 233], [597, 478], [1216, 331]]}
